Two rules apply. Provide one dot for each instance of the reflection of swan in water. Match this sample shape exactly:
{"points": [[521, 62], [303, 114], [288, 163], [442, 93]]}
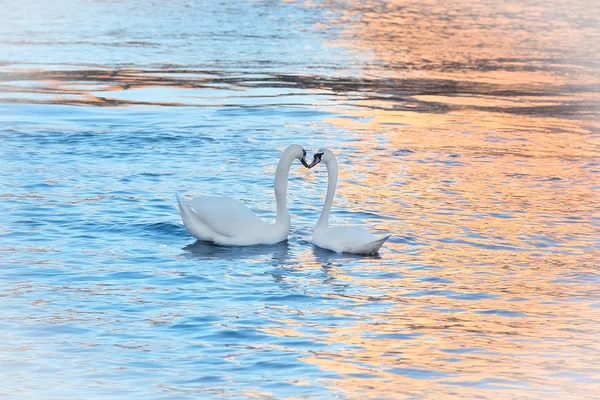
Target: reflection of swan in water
{"points": [[225, 221], [341, 239], [279, 252]]}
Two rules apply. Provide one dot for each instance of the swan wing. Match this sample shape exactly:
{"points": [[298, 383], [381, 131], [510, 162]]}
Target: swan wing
{"points": [[226, 216]]}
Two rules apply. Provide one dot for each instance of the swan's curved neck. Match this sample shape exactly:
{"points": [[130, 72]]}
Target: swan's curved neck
{"points": [[332, 177], [281, 184]]}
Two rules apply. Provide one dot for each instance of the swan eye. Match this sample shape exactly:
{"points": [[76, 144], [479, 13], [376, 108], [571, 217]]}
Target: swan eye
{"points": [[303, 153], [319, 155]]}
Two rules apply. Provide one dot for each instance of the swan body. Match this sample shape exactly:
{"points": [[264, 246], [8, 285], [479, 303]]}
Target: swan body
{"points": [[226, 221], [348, 239], [340, 239]]}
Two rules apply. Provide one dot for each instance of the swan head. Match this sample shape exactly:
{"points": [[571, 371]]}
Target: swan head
{"points": [[297, 152], [322, 155]]}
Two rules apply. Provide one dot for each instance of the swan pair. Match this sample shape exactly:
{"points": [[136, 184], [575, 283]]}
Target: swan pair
{"points": [[228, 222]]}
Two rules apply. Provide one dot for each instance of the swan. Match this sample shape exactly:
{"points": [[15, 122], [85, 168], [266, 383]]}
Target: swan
{"points": [[227, 222], [341, 239]]}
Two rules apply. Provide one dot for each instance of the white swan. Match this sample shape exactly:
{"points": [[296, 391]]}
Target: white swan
{"points": [[228, 222], [341, 239]]}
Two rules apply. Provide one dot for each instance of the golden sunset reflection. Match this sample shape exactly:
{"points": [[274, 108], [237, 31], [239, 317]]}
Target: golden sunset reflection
{"points": [[491, 193]]}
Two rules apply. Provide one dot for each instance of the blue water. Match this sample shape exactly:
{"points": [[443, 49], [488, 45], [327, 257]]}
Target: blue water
{"points": [[479, 156]]}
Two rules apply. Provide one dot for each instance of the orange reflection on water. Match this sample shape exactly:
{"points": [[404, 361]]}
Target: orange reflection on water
{"points": [[480, 150]]}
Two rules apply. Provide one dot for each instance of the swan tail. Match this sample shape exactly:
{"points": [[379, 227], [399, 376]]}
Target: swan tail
{"points": [[184, 210], [191, 220], [369, 248]]}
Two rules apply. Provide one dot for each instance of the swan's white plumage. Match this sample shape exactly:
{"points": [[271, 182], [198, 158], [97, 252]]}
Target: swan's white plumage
{"points": [[341, 239], [225, 216], [226, 221]]}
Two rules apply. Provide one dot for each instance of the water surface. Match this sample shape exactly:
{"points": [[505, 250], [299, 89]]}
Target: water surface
{"points": [[469, 131]]}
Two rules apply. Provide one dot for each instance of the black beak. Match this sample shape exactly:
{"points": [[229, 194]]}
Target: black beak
{"points": [[303, 161], [316, 160]]}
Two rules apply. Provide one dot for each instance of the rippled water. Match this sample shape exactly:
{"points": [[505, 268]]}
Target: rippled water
{"points": [[469, 131]]}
